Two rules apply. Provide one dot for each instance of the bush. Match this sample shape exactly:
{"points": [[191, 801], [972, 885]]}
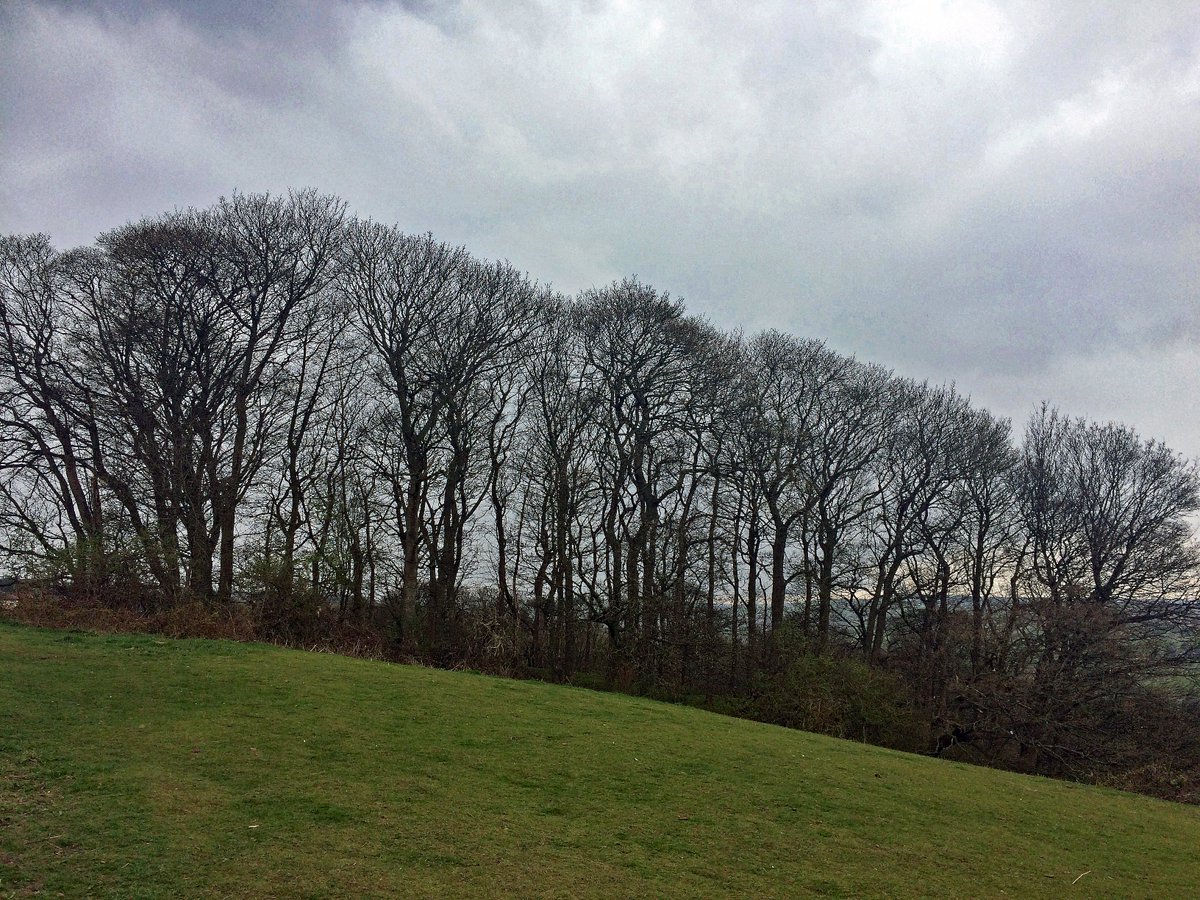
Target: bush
{"points": [[1165, 780], [840, 696], [300, 627], [54, 609]]}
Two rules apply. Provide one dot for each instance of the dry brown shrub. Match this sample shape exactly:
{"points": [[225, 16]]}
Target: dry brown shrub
{"points": [[52, 609], [1161, 780], [47, 608]]}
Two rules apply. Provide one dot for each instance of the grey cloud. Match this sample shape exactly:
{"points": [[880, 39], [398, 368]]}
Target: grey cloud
{"points": [[1001, 195], [255, 22]]}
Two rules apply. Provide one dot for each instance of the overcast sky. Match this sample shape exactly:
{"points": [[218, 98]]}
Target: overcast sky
{"points": [[1003, 195]]}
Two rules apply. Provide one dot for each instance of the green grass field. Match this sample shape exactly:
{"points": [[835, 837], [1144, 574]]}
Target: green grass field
{"points": [[137, 766]]}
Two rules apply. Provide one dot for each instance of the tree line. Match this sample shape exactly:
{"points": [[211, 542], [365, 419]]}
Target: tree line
{"points": [[275, 405]]}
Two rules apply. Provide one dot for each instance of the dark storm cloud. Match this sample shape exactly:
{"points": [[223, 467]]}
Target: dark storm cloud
{"points": [[308, 22], [1003, 194]]}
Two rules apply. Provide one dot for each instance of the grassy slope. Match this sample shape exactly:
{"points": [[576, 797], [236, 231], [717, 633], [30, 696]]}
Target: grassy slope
{"points": [[135, 766]]}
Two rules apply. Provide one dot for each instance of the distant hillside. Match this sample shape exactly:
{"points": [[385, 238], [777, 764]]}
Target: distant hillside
{"points": [[138, 766]]}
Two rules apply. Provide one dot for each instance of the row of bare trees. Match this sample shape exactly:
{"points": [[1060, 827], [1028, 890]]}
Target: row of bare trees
{"points": [[273, 403]]}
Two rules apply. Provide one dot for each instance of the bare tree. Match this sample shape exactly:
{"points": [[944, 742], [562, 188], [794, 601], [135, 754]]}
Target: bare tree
{"points": [[640, 360], [444, 328], [49, 485], [916, 470], [1111, 584], [849, 422]]}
